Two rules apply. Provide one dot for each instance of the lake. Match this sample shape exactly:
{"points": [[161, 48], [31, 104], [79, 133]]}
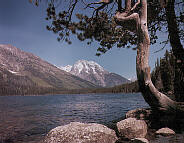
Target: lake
{"points": [[29, 118]]}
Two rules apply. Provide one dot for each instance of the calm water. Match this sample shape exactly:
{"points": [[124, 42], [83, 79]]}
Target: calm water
{"points": [[26, 119]]}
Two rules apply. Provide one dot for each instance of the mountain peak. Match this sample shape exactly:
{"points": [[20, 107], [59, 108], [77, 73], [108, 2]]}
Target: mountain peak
{"points": [[93, 72], [84, 66]]}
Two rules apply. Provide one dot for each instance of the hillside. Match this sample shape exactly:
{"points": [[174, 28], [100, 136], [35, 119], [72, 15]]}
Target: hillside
{"points": [[25, 73]]}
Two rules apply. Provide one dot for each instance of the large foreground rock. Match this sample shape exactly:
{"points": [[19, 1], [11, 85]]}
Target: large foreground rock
{"points": [[132, 128], [76, 132]]}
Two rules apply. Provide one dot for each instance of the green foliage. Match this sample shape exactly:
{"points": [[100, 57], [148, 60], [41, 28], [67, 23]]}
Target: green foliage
{"points": [[102, 27], [164, 76], [167, 72], [124, 88]]}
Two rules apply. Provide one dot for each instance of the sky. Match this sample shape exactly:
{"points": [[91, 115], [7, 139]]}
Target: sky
{"points": [[23, 25]]}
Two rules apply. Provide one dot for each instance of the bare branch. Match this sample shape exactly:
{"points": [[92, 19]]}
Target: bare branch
{"points": [[122, 17], [105, 3], [89, 4], [135, 6], [72, 9], [102, 4], [165, 44]]}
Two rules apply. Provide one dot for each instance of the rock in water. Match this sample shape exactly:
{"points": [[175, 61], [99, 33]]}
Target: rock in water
{"points": [[165, 132], [132, 128], [76, 132]]}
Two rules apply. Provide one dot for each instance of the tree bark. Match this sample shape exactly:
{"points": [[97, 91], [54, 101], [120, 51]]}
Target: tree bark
{"points": [[157, 100]]}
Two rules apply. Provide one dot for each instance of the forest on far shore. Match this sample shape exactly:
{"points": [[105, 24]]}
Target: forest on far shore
{"points": [[163, 78]]}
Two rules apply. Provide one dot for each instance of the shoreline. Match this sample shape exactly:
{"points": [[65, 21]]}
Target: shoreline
{"points": [[48, 94], [151, 136]]}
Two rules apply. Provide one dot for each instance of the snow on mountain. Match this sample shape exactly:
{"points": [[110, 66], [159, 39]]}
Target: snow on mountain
{"points": [[25, 73], [93, 72], [132, 79], [83, 66], [66, 68]]}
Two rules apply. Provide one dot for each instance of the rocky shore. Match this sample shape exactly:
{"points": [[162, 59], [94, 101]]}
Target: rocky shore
{"points": [[139, 126]]}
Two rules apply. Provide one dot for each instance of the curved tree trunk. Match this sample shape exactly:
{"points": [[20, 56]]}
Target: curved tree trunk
{"points": [[156, 99]]}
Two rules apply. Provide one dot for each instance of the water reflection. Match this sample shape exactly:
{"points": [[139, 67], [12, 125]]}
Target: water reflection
{"points": [[28, 119]]}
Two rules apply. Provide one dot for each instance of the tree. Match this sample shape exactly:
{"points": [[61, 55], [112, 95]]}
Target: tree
{"points": [[163, 74], [175, 34], [166, 73], [111, 25]]}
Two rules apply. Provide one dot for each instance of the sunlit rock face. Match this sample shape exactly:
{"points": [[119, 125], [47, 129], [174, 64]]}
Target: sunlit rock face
{"points": [[93, 72], [132, 128], [76, 132], [165, 132]]}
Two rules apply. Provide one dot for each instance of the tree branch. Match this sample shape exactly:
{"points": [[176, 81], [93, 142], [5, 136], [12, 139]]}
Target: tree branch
{"points": [[72, 9], [89, 4], [105, 3], [122, 17], [102, 2], [135, 6]]}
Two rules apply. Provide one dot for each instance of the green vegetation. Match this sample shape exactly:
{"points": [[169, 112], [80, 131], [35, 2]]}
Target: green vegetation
{"points": [[124, 88], [165, 79]]}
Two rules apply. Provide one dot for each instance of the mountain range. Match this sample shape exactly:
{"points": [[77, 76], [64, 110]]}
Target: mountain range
{"points": [[93, 72], [25, 73]]}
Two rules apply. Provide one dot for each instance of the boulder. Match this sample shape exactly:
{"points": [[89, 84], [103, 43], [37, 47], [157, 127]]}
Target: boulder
{"points": [[76, 132], [140, 114], [165, 132], [139, 140], [152, 117], [132, 128]]}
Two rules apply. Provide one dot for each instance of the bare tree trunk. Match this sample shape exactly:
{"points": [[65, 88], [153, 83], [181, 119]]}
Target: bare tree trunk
{"points": [[156, 99]]}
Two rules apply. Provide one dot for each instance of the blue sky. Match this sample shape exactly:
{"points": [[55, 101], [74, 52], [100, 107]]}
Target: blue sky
{"points": [[23, 25]]}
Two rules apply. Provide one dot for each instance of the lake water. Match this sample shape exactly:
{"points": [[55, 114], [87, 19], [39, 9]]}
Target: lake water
{"points": [[27, 119]]}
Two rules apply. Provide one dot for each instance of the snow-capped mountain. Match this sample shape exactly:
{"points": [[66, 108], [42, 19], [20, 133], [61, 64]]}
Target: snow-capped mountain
{"points": [[67, 68], [93, 72], [25, 73]]}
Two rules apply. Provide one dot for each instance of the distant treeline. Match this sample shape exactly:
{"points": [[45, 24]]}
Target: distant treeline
{"points": [[10, 84], [163, 77], [124, 88], [14, 85]]}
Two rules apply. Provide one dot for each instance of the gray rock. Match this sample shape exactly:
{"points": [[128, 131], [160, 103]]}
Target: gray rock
{"points": [[132, 128], [139, 140], [165, 132], [76, 132]]}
